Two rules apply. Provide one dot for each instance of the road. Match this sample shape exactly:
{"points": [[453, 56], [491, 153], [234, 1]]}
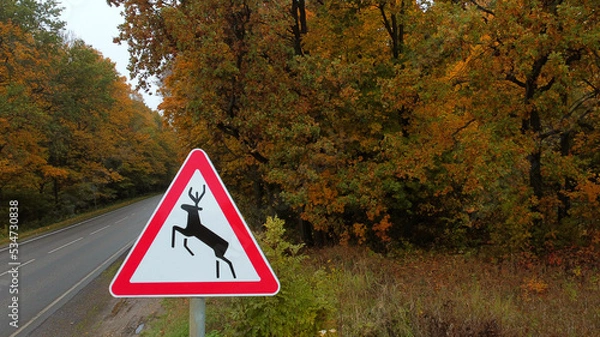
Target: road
{"points": [[53, 267]]}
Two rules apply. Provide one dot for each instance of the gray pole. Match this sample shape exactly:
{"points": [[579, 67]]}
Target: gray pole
{"points": [[197, 316]]}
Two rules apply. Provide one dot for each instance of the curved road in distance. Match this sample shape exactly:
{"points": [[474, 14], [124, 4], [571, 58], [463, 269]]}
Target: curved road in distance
{"points": [[55, 266]]}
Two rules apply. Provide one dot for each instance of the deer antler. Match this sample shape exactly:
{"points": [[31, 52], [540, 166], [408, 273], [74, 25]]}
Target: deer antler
{"points": [[196, 199]]}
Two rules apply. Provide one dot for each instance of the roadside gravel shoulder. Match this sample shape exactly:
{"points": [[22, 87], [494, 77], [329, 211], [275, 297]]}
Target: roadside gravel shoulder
{"points": [[94, 312]]}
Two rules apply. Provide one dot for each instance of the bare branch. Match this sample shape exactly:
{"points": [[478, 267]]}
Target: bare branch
{"points": [[512, 78], [548, 85], [462, 127], [483, 9]]}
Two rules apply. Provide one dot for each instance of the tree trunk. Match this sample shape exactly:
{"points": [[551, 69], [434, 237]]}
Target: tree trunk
{"points": [[394, 28], [569, 184], [299, 28], [533, 124]]}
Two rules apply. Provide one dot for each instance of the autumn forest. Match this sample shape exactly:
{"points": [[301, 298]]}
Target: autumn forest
{"points": [[384, 123], [74, 134]]}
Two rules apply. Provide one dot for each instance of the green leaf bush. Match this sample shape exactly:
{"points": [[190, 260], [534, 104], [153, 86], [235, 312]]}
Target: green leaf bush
{"points": [[302, 306]]}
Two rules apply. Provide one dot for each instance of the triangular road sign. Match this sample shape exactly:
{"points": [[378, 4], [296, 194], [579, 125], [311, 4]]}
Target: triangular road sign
{"points": [[196, 243]]}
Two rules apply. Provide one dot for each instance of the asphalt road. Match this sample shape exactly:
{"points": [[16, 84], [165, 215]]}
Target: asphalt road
{"points": [[53, 267]]}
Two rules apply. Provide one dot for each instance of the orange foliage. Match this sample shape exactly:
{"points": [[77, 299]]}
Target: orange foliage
{"points": [[72, 132], [464, 123]]}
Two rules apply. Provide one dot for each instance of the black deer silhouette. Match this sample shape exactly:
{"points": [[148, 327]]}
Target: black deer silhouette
{"points": [[196, 229]]}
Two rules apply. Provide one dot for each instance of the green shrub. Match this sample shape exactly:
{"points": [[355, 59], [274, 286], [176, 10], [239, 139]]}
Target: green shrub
{"points": [[301, 307]]}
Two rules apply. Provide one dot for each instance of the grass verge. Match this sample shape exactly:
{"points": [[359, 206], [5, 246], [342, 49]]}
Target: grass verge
{"points": [[351, 291], [174, 323], [432, 294]]}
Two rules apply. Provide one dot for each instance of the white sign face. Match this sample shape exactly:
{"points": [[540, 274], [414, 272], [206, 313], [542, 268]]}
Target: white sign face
{"points": [[196, 243], [163, 263]]}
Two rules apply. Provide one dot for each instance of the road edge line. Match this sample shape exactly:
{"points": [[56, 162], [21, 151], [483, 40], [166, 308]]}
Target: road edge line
{"points": [[75, 286]]}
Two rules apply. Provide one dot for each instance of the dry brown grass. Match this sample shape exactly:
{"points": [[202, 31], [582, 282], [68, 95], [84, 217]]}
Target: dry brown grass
{"points": [[433, 294], [429, 294]]}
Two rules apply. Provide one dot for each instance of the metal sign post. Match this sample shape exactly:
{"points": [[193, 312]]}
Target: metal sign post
{"points": [[159, 263], [197, 316]]}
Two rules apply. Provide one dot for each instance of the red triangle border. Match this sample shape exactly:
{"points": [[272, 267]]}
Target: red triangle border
{"points": [[268, 283]]}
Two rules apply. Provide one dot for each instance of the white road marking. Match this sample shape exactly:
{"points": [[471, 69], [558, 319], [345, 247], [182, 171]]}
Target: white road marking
{"points": [[121, 220], [35, 238], [18, 266], [98, 230], [75, 286], [65, 245]]}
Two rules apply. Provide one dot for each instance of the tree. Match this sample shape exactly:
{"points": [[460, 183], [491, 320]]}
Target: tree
{"points": [[28, 33], [74, 134], [545, 62], [463, 123]]}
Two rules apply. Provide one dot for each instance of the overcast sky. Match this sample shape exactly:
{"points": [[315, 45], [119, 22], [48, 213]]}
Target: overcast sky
{"points": [[95, 22]]}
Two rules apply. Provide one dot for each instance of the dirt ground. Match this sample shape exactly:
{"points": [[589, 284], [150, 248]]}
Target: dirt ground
{"points": [[94, 312]]}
